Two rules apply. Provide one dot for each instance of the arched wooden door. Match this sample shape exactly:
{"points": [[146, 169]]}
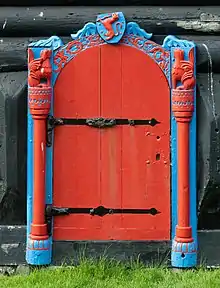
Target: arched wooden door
{"points": [[124, 169]]}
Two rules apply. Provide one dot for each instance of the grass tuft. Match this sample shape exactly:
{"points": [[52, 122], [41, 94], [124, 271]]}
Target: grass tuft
{"points": [[113, 274]]}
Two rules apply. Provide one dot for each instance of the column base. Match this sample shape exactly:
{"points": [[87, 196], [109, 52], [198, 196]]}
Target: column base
{"points": [[39, 252], [184, 255]]}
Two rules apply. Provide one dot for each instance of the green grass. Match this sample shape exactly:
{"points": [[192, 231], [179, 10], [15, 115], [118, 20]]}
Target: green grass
{"points": [[104, 274]]}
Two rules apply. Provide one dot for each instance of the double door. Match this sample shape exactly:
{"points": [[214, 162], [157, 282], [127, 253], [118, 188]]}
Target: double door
{"points": [[111, 165]]}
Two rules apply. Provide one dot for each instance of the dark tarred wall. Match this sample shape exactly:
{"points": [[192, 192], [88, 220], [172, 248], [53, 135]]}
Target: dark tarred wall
{"points": [[21, 25], [98, 2]]}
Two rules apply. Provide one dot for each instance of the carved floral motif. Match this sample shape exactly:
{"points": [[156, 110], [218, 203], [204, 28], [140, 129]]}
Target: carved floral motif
{"points": [[69, 51], [88, 30], [155, 51], [132, 28], [53, 42]]}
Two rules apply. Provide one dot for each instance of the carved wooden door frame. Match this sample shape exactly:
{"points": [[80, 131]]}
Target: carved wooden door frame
{"points": [[176, 58]]}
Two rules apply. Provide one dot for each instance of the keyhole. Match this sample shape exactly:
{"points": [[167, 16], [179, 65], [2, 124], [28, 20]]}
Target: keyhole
{"points": [[158, 156], [183, 255]]}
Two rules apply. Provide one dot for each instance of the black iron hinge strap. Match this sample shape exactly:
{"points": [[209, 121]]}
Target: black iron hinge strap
{"points": [[94, 122], [99, 122], [106, 122], [98, 211]]}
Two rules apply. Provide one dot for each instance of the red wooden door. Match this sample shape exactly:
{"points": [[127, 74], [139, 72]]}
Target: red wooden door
{"points": [[122, 166]]}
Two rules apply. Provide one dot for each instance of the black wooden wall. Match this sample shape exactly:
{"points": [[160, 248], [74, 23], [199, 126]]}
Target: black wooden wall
{"points": [[22, 24]]}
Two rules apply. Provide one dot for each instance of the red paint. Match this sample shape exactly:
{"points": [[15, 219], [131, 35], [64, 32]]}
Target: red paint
{"points": [[183, 70], [73, 48], [78, 46], [183, 107], [107, 22], [161, 60], [115, 167], [39, 96], [60, 60], [39, 68], [39, 227]]}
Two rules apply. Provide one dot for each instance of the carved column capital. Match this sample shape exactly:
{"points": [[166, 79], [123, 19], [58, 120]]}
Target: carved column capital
{"points": [[39, 101], [183, 104], [39, 83]]}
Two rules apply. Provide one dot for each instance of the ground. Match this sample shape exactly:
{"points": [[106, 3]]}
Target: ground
{"points": [[104, 274]]}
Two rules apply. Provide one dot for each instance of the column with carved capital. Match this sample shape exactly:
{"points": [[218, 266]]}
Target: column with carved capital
{"points": [[184, 248], [39, 102]]}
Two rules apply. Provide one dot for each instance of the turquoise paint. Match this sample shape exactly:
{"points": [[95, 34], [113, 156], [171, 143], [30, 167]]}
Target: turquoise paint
{"points": [[193, 175], [120, 29], [190, 259], [134, 28], [41, 254], [186, 260], [29, 170], [37, 256], [174, 174]]}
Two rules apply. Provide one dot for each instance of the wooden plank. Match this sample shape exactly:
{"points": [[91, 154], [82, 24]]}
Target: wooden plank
{"points": [[110, 157], [13, 51], [28, 21], [142, 172], [77, 170]]}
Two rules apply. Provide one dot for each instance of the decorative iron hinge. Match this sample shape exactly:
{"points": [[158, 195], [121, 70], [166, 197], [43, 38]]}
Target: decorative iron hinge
{"points": [[93, 122], [98, 211], [51, 123], [101, 122], [51, 211]]}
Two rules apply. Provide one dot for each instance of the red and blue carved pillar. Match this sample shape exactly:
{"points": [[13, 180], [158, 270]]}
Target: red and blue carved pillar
{"points": [[39, 102], [184, 247]]}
